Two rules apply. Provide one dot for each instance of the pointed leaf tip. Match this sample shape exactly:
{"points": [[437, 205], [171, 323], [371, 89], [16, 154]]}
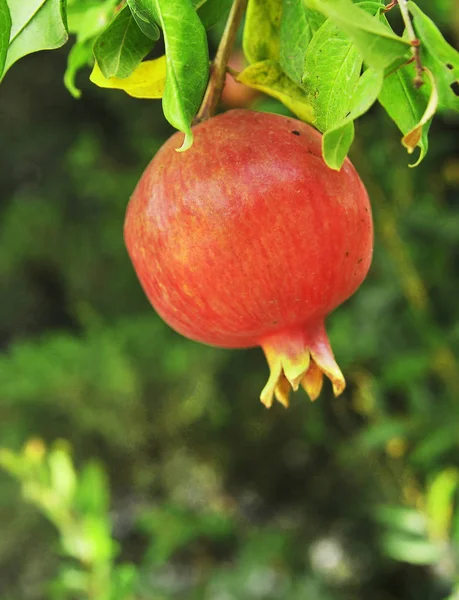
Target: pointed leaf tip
{"points": [[187, 142], [413, 138], [187, 59]]}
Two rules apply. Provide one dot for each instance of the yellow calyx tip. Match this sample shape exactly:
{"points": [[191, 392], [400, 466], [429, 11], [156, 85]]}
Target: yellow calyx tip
{"points": [[301, 358], [312, 381]]}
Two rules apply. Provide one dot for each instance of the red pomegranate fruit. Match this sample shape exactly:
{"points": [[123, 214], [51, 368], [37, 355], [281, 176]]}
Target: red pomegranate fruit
{"points": [[249, 239], [235, 94]]}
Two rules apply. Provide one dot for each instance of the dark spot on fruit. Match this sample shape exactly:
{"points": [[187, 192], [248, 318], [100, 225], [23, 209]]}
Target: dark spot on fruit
{"points": [[274, 322], [295, 132], [450, 66], [347, 254], [359, 261], [455, 87]]}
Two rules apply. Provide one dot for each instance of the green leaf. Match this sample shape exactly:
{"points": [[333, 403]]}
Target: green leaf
{"points": [[433, 446], [124, 580], [444, 78], [87, 21], [439, 503], [13, 463], [187, 61], [331, 70], [98, 545], [122, 46], [79, 56], [438, 56], [62, 474], [371, 6], [405, 104], [261, 39], [36, 25], [298, 25], [93, 491], [268, 77], [410, 549], [212, 12], [337, 141], [377, 435], [406, 520], [5, 30], [145, 23], [378, 45]]}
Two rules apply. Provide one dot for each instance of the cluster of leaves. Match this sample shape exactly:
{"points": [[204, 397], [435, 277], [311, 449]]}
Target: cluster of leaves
{"points": [[330, 61], [427, 534], [120, 35], [78, 506], [77, 503], [327, 61]]}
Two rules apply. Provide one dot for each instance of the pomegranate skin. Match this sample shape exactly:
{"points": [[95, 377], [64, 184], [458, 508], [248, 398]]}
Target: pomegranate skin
{"points": [[248, 239], [235, 94]]}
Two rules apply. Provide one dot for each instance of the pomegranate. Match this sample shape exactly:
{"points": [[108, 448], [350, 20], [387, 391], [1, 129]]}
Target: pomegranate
{"points": [[235, 94], [249, 239]]}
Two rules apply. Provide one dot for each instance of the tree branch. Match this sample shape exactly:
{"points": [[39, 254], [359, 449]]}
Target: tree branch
{"points": [[218, 68], [415, 43]]}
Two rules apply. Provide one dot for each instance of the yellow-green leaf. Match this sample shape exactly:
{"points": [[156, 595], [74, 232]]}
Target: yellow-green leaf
{"points": [[262, 30], [411, 139], [147, 81], [268, 77], [298, 25], [439, 503], [62, 474], [406, 104]]}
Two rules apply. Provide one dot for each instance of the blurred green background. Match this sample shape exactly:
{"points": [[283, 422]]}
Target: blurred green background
{"points": [[138, 465]]}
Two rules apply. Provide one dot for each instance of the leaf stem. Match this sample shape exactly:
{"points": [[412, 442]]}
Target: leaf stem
{"points": [[218, 68], [415, 43]]}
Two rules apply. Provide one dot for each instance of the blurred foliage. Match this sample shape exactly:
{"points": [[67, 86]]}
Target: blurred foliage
{"points": [[198, 491]]}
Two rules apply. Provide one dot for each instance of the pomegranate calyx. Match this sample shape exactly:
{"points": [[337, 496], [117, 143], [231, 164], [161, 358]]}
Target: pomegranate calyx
{"points": [[300, 357]]}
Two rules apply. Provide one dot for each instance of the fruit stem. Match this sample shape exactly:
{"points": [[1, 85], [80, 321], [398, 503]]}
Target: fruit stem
{"points": [[218, 68]]}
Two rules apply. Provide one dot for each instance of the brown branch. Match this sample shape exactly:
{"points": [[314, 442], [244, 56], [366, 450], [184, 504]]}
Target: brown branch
{"points": [[390, 6], [219, 65], [415, 43]]}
